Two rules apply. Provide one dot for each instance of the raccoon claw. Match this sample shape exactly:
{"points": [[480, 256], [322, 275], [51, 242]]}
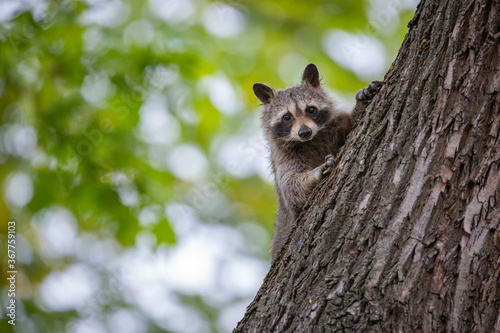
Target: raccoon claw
{"points": [[329, 164], [366, 94]]}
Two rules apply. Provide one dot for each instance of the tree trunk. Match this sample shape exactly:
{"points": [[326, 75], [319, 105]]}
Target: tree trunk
{"points": [[404, 235]]}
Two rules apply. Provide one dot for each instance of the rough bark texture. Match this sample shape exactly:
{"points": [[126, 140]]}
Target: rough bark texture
{"points": [[404, 235]]}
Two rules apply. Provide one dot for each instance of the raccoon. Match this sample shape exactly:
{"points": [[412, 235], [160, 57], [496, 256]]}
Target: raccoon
{"points": [[305, 131]]}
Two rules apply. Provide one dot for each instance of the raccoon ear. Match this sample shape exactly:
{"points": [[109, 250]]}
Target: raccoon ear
{"points": [[311, 76], [264, 92]]}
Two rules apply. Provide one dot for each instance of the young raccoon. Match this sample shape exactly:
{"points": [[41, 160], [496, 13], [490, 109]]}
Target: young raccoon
{"points": [[305, 131]]}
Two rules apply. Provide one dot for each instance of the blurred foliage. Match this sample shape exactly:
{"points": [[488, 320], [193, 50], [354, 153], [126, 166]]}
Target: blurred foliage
{"points": [[79, 78]]}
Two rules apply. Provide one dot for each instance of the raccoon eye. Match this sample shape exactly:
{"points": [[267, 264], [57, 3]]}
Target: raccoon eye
{"points": [[311, 109], [287, 117]]}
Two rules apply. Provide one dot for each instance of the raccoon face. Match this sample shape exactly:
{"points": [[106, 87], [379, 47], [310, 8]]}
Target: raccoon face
{"points": [[298, 120], [297, 113]]}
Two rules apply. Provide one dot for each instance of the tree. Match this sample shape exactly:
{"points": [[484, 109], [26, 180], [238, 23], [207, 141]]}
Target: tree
{"points": [[404, 235]]}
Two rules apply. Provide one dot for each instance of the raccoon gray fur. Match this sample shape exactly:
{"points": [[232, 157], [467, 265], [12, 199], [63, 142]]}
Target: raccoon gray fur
{"points": [[305, 131]]}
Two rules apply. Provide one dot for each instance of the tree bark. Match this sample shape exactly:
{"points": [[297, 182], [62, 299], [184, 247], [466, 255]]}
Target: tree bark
{"points": [[404, 235]]}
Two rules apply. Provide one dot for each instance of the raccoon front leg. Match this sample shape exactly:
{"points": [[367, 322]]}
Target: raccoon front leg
{"points": [[300, 185], [365, 95], [327, 167], [311, 178], [292, 197], [363, 98]]}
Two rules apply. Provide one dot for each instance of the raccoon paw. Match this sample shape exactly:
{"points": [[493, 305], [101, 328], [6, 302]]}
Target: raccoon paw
{"points": [[329, 164], [366, 94]]}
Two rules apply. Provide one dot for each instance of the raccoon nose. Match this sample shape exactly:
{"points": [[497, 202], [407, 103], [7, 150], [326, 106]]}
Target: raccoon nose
{"points": [[304, 131]]}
